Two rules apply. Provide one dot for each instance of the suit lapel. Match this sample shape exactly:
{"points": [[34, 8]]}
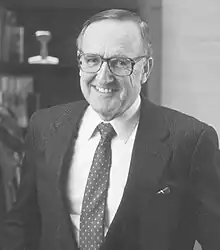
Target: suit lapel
{"points": [[59, 152], [63, 133], [151, 149], [150, 155]]}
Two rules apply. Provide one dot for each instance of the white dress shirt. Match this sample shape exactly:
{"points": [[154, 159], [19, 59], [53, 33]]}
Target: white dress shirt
{"points": [[85, 146]]}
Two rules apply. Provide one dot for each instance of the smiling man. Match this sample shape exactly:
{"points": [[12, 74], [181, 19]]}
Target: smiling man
{"points": [[112, 70], [115, 171]]}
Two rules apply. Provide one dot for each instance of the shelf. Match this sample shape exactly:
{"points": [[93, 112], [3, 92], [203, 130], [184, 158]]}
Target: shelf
{"points": [[31, 69], [59, 4]]}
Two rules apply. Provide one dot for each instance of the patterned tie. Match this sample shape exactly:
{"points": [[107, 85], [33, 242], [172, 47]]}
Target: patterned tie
{"points": [[94, 201]]}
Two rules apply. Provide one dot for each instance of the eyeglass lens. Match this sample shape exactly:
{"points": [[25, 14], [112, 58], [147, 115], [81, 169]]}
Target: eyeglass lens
{"points": [[118, 65]]}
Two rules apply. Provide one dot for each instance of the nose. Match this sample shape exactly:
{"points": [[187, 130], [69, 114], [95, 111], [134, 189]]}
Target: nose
{"points": [[104, 75]]}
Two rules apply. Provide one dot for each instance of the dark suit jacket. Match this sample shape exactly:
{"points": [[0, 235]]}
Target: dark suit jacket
{"points": [[172, 152]]}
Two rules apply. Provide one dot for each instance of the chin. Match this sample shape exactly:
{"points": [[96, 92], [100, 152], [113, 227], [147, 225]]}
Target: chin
{"points": [[107, 108], [105, 114]]}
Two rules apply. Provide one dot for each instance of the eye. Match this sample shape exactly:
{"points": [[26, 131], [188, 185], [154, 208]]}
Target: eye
{"points": [[92, 60], [120, 62]]}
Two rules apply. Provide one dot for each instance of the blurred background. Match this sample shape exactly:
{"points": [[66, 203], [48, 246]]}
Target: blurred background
{"points": [[186, 75]]}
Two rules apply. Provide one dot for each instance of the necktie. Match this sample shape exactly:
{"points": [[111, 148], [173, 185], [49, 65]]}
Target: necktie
{"points": [[94, 201]]}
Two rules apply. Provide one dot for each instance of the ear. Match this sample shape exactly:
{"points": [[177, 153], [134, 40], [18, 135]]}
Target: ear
{"points": [[147, 69]]}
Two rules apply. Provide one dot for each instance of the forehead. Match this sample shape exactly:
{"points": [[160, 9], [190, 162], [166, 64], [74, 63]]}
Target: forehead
{"points": [[112, 37]]}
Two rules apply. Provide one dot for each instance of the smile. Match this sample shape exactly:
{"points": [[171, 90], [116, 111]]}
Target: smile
{"points": [[104, 90]]}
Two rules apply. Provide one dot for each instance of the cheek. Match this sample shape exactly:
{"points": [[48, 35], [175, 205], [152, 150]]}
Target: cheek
{"points": [[131, 90], [133, 85], [85, 81], [86, 78], [85, 89], [136, 79]]}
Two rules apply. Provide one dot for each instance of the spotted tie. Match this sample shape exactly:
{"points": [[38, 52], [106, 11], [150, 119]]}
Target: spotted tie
{"points": [[91, 233]]}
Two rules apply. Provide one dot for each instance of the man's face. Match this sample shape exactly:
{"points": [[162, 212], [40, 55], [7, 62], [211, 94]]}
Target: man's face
{"points": [[110, 38]]}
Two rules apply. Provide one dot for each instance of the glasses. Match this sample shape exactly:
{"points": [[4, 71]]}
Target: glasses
{"points": [[119, 66]]}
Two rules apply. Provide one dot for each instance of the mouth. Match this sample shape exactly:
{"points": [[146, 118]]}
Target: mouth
{"points": [[105, 90]]}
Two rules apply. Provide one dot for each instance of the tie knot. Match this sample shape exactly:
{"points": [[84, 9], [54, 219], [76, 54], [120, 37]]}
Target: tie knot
{"points": [[106, 130]]}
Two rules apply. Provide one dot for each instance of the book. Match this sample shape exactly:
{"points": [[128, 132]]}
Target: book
{"points": [[15, 91]]}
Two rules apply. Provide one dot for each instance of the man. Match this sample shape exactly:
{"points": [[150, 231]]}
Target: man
{"points": [[116, 172]]}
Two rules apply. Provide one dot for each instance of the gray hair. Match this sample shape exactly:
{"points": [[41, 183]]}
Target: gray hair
{"points": [[121, 15]]}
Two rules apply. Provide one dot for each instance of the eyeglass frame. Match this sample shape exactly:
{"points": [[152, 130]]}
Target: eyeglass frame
{"points": [[132, 60]]}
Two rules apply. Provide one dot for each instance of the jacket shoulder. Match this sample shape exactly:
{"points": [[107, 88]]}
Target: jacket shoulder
{"points": [[182, 121], [48, 115]]}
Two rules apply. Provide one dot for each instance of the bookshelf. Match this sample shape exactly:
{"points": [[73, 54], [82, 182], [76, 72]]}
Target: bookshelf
{"points": [[21, 69], [54, 84]]}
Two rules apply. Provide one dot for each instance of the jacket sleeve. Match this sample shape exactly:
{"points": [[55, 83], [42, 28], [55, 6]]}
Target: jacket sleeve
{"points": [[21, 228], [206, 188]]}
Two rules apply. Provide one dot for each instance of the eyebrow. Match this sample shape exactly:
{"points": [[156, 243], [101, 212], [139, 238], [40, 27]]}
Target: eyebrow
{"points": [[116, 54], [113, 56]]}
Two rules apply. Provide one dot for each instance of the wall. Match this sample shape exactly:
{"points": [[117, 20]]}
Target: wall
{"points": [[191, 58], [150, 10]]}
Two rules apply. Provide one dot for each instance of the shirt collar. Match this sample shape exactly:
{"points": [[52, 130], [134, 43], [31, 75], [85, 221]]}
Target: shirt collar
{"points": [[123, 125]]}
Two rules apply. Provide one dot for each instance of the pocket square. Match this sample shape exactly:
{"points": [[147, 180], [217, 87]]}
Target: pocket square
{"points": [[165, 190]]}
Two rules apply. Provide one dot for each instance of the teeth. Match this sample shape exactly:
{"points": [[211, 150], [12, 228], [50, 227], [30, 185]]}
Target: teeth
{"points": [[102, 90]]}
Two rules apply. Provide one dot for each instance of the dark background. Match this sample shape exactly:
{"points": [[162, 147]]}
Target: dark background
{"points": [[63, 18]]}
